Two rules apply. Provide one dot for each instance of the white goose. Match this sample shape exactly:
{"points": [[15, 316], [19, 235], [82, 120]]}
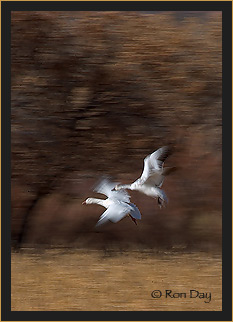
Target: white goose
{"points": [[152, 176], [118, 204]]}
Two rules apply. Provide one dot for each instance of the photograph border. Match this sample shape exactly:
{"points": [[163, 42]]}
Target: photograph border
{"points": [[226, 8]]}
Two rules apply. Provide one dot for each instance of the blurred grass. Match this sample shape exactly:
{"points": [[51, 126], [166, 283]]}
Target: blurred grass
{"points": [[82, 280]]}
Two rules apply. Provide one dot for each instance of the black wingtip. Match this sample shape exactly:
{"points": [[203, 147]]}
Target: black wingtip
{"points": [[166, 152]]}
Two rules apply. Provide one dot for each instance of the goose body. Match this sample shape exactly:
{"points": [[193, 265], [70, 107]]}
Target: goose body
{"points": [[117, 204], [152, 176]]}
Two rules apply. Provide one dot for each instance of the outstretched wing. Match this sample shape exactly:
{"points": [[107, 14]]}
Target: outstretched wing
{"points": [[157, 178], [114, 213], [135, 213], [105, 187], [153, 167]]}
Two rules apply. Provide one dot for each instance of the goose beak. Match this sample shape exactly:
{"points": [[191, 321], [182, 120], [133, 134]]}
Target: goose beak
{"points": [[84, 203]]}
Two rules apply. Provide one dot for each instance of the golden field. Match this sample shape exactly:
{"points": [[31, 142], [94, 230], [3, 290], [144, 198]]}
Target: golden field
{"points": [[85, 280]]}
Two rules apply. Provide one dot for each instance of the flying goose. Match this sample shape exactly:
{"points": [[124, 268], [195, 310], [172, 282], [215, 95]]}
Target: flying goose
{"points": [[118, 204], [152, 176]]}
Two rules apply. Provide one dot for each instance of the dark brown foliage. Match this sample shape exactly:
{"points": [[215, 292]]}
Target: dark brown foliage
{"points": [[93, 94]]}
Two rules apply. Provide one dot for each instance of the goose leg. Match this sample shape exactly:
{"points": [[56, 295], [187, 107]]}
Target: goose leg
{"points": [[160, 202], [134, 220]]}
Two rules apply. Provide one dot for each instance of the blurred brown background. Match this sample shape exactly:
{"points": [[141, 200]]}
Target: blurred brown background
{"points": [[93, 93]]}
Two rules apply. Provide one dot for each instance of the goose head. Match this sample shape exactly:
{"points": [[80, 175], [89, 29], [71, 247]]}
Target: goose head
{"points": [[88, 201], [116, 188]]}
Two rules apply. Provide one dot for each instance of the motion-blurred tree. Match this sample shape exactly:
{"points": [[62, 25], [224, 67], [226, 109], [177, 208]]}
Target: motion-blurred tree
{"points": [[90, 89]]}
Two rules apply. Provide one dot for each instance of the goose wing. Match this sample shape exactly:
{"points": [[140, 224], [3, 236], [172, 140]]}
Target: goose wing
{"points": [[157, 158], [114, 213], [135, 213], [154, 179], [105, 187], [153, 166]]}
